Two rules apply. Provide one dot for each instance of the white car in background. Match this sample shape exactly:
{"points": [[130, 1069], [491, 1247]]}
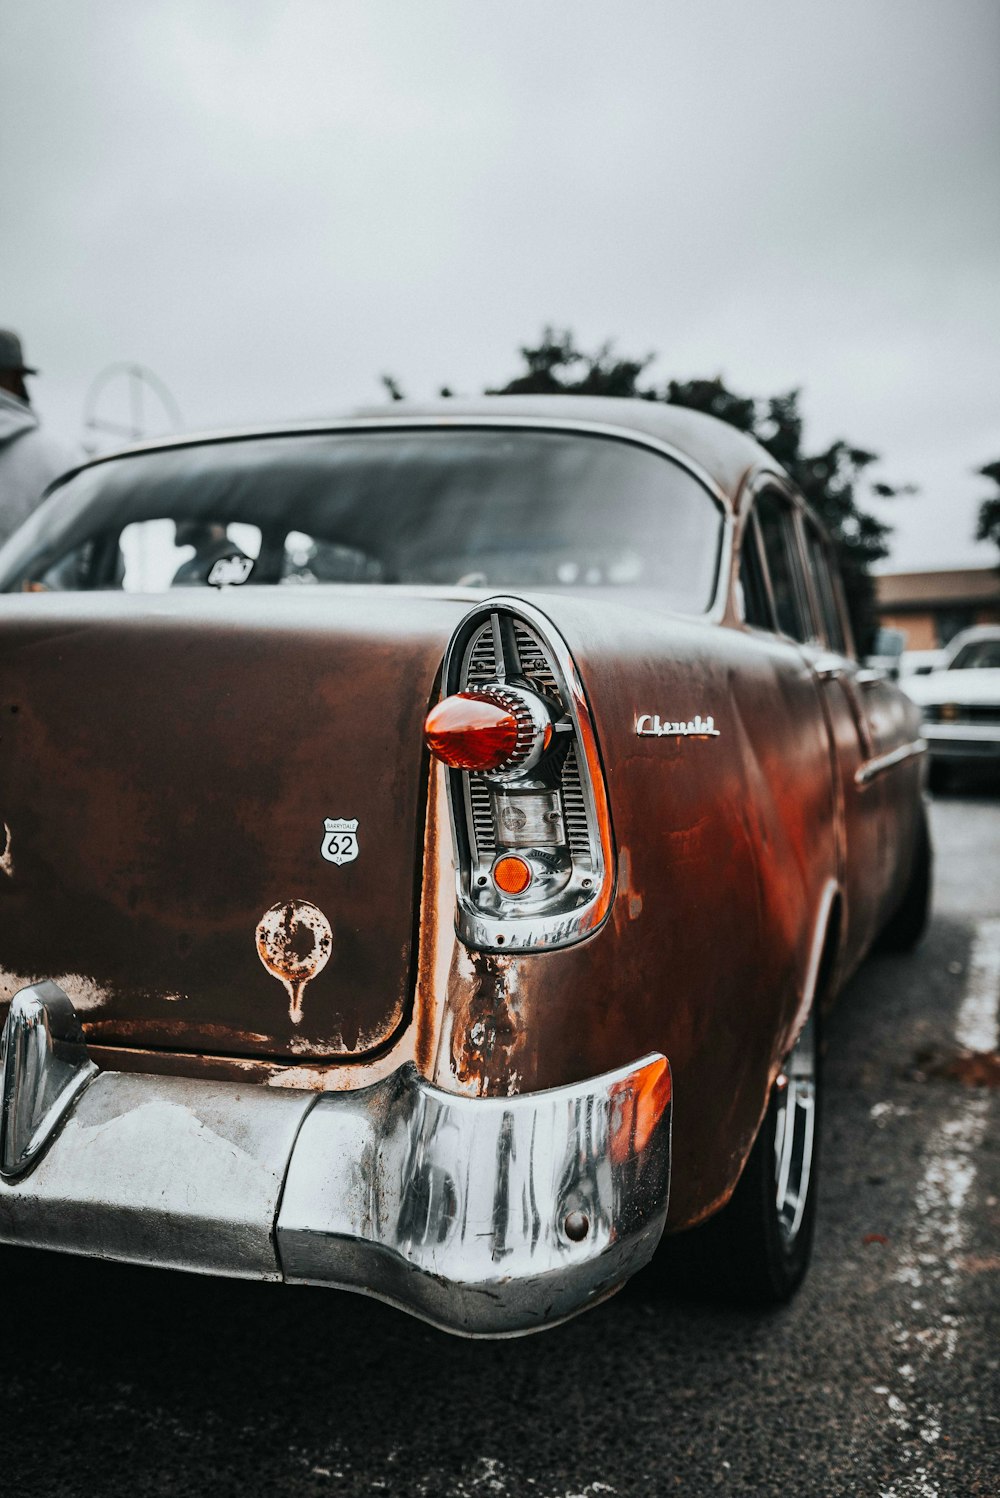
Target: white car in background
{"points": [[920, 662], [960, 703]]}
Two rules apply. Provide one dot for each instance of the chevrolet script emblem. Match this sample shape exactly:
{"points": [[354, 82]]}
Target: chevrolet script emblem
{"points": [[649, 725], [340, 842]]}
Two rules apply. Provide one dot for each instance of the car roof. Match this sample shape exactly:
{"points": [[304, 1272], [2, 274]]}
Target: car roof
{"points": [[725, 456]]}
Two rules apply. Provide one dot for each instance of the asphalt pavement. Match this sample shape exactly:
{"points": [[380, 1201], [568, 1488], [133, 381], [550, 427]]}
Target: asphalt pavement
{"points": [[880, 1380]]}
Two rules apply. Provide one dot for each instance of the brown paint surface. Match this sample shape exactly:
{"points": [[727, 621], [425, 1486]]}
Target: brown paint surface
{"points": [[726, 846], [724, 849], [165, 781]]}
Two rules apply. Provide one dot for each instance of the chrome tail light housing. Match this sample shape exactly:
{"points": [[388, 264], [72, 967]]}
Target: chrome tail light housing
{"points": [[529, 809]]}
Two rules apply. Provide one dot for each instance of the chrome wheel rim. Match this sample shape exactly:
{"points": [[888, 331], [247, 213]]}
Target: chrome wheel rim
{"points": [[794, 1133]]}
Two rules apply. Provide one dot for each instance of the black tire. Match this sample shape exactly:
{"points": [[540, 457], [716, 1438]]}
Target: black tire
{"points": [[750, 1254], [907, 925]]}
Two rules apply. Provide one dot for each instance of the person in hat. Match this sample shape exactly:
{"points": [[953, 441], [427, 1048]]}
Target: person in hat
{"points": [[28, 460]]}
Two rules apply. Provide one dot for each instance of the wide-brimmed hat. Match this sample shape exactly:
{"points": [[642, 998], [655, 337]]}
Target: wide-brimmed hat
{"points": [[11, 353]]}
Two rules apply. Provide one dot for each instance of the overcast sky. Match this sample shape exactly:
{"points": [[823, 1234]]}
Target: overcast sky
{"points": [[271, 202]]}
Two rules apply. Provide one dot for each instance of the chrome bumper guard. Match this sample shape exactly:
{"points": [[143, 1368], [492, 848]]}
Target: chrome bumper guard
{"points": [[484, 1216]]}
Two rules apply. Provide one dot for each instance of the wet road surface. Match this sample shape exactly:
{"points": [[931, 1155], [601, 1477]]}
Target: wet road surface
{"points": [[881, 1379]]}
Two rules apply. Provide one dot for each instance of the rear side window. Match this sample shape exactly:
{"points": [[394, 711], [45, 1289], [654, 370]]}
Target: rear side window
{"points": [[755, 607], [819, 561], [777, 527]]}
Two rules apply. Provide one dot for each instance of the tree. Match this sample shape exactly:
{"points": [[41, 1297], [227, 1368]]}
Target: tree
{"points": [[830, 479], [988, 527]]}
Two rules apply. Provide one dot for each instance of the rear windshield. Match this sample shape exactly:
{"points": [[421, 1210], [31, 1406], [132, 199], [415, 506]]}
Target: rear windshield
{"points": [[472, 507]]}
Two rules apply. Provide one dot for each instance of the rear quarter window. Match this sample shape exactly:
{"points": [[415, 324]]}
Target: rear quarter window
{"points": [[776, 516]]}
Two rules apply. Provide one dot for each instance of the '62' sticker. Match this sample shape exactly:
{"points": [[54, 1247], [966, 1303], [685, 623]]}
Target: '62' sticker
{"points": [[340, 839]]}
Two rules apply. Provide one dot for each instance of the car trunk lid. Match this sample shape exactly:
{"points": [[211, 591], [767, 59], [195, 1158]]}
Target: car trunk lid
{"points": [[213, 810]]}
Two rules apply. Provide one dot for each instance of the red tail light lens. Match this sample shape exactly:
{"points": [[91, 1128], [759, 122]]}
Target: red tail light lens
{"points": [[533, 849], [471, 731]]}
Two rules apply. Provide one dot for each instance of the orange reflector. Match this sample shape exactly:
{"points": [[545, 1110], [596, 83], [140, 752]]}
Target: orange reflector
{"points": [[512, 875], [471, 732]]}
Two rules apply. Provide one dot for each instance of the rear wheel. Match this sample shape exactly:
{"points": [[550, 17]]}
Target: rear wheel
{"points": [[756, 1250], [909, 922]]}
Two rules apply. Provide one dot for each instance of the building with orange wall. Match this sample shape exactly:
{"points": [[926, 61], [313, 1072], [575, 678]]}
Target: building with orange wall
{"points": [[930, 607]]}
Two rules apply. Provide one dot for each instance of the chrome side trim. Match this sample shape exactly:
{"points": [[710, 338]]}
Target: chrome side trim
{"points": [[829, 667], [872, 767], [44, 1066], [484, 1216]]}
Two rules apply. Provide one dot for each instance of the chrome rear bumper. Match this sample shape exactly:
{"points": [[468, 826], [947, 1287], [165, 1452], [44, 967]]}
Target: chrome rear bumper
{"points": [[485, 1216]]}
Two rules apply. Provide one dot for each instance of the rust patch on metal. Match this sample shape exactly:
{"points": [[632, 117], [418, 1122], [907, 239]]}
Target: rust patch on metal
{"points": [[488, 1027], [183, 1064], [629, 902], [429, 933], [125, 1031], [294, 941], [83, 991]]}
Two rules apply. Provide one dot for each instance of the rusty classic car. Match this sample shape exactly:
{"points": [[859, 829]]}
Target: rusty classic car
{"points": [[430, 842]]}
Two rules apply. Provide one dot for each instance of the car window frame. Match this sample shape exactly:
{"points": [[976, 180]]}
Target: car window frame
{"points": [[848, 649], [801, 583], [715, 492], [761, 484], [751, 543], [807, 522]]}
